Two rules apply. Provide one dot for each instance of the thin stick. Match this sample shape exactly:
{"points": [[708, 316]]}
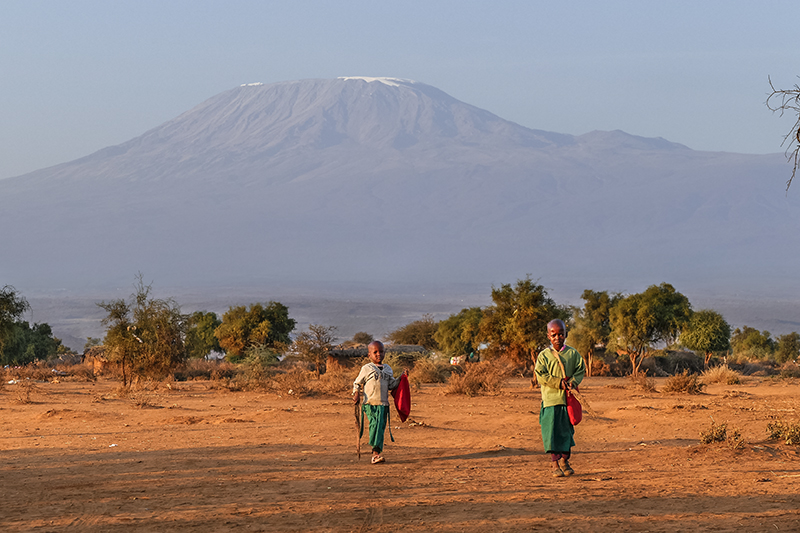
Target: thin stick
{"points": [[357, 413], [584, 402]]}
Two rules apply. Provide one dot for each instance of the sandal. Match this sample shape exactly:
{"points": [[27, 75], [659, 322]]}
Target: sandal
{"points": [[566, 468], [377, 459]]}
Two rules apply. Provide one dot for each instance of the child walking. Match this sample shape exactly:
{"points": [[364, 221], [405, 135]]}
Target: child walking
{"points": [[557, 430], [377, 380]]}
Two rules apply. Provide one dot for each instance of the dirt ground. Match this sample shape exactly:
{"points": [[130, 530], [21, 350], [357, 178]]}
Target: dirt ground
{"points": [[80, 458]]}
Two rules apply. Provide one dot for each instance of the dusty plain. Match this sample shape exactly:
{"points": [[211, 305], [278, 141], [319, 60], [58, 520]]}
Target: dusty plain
{"points": [[203, 459]]}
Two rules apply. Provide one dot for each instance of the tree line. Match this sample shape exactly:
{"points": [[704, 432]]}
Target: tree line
{"points": [[150, 337], [628, 326]]}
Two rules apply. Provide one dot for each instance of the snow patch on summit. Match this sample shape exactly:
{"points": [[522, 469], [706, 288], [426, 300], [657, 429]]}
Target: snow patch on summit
{"points": [[256, 84], [392, 82]]}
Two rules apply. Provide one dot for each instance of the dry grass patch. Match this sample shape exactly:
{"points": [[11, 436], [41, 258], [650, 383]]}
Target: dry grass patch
{"points": [[684, 382], [641, 382], [480, 378], [427, 371], [296, 382], [335, 383], [721, 374]]}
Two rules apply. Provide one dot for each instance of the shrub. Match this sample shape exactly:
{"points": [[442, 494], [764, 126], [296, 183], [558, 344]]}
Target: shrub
{"points": [[642, 382], [296, 382], [684, 382], [484, 377], [23, 390], [335, 383], [400, 361], [428, 371], [205, 369], [680, 361], [720, 433], [721, 374], [790, 370], [780, 430], [655, 365], [80, 372]]}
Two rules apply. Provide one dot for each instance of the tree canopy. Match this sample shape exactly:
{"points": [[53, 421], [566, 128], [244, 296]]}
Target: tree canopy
{"points": [[707, 332], [459, 334], [12, 307], [642, 320], [516, 325], [592, 324], [267, 325], [751, 343], [200, 340], [145, 336], [419, 332], [313, 345]]}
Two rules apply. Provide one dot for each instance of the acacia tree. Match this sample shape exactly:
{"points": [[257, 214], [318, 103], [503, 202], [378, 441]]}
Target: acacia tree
{"points": [[244, 328], [788, 347], [200, 339], [642, 320], [516, 325], [782, 101], [12, 307], [144, 336], [752, 344], [592, 324], [419, 332], [707, 332], [313, 345], [362, 337], [459, 334]]}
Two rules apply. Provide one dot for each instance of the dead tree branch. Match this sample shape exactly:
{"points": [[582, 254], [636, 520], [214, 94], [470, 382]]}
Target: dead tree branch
{"points": [[782, 101]]}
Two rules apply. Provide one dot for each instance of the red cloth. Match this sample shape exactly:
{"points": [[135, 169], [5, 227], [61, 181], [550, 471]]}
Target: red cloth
{"points": [[574, 409], [402, 398]]}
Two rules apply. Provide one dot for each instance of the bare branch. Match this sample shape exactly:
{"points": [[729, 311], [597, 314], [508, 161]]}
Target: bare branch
{"points": [[782, 101]]}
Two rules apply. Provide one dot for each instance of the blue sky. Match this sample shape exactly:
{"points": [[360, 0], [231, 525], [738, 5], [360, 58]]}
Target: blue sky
{"points": [[79, 75]]}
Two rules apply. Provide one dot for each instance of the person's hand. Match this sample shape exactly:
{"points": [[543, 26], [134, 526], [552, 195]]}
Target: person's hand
{"points": [[565, 384], [356, 397]]}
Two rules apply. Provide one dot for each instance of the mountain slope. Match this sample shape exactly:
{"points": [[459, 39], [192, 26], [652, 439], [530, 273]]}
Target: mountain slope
{"points": [[360, 179]]}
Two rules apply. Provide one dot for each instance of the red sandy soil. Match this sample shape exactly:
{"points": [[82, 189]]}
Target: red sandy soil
{"points": [[201, 459]]}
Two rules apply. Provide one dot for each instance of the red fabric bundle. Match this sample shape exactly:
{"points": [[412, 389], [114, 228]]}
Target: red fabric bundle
{"points": [[574, 408], [402, 398]]}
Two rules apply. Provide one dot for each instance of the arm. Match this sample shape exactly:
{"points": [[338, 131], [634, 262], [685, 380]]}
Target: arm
{"points": [[359, 383], [580, 370], [543, 375]]}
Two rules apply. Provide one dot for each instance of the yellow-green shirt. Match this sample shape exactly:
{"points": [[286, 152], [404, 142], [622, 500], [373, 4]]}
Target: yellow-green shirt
{"points": [[549, 374]]}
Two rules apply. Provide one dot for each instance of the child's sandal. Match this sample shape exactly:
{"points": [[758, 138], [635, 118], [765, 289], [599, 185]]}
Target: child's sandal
{"points": [[377, 459]]}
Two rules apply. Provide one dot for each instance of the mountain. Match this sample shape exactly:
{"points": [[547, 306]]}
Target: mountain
{"points": [[381, 180]]}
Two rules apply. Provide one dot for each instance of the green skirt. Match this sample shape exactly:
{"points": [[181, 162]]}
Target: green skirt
{"points": [[378, 418], [557, 431]]}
